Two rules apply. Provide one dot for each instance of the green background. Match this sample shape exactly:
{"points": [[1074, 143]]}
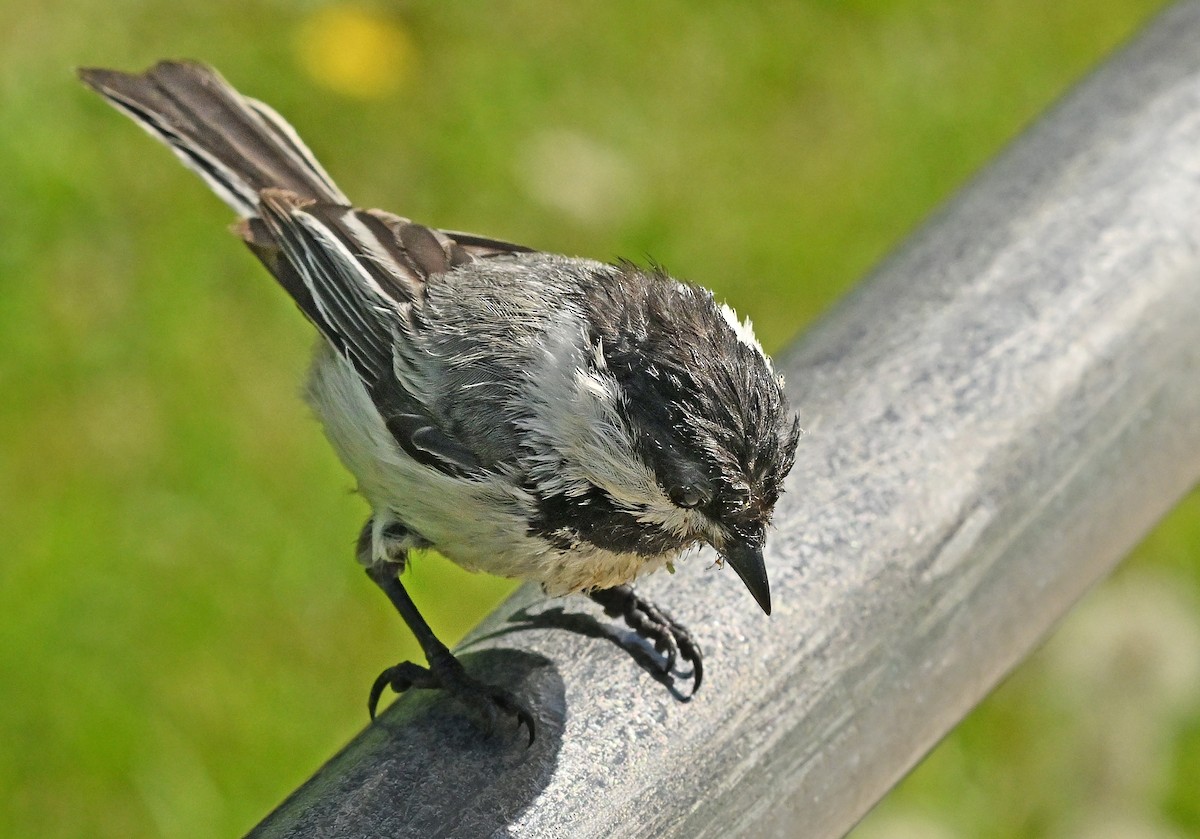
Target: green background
{"points": [[184, 635]]}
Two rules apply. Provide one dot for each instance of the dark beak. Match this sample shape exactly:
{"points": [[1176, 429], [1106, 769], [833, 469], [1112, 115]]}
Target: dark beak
{"points": [[745, 556]]}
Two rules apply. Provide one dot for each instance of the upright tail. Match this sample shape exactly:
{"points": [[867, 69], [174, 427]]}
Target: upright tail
{"points": [[237, 144]]}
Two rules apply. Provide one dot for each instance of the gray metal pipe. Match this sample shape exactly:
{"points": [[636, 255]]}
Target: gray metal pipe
{"points": [[994, 418]]}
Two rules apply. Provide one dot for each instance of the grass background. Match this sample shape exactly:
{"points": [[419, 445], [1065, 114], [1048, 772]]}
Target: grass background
{"points": [[184, 635]]}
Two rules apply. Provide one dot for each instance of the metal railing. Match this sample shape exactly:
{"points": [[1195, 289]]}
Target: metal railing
{"points": [[994, 418]]}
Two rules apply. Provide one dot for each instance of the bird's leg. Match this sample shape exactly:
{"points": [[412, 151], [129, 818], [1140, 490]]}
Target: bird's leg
{"points": [[656, 626], [444, 671]]}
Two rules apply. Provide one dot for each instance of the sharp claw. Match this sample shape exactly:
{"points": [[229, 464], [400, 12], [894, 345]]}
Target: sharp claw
{"points": [[690, 652], [510, 705], [381, 681], [524, 718]]}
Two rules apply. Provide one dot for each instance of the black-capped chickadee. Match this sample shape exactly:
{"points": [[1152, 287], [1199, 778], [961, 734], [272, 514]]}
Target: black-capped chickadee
{"points": [[529, 415]]}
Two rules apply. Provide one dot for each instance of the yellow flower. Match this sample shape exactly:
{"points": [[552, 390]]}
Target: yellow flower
{"points": [[356, 51]]}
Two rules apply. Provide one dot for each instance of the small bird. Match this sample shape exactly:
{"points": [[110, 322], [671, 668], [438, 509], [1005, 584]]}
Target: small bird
{"points": [[526, 414]]}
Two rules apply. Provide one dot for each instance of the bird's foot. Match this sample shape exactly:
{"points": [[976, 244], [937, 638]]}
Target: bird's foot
{"points": [[446, 673], [668, 636]]}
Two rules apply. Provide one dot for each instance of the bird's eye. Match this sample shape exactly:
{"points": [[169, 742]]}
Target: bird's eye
{"points": [[686, 496]]}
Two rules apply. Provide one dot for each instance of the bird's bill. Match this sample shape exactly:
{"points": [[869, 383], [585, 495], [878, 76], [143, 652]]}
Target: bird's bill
{"points": [[746, 558]]}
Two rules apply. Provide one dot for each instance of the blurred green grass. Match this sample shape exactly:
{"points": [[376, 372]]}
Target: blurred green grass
{"points": [[185, 635]]}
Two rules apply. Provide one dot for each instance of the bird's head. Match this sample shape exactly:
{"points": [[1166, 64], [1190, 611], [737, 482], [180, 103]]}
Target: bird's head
{"points": [[699, 437]]}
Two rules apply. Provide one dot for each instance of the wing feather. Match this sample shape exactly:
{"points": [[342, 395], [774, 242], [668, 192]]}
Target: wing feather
{"points": [[363, 295]]}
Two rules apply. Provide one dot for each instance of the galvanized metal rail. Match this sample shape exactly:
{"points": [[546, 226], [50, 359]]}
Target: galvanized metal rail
{"points": [[994, 418]]}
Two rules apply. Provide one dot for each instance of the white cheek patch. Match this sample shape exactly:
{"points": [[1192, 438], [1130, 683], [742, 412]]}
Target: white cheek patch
{"points": [[576, 432], [686, 524], [582, 439]]}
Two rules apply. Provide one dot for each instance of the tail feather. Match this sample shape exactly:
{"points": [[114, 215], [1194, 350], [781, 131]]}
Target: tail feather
{"points": [[238, 145]]}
